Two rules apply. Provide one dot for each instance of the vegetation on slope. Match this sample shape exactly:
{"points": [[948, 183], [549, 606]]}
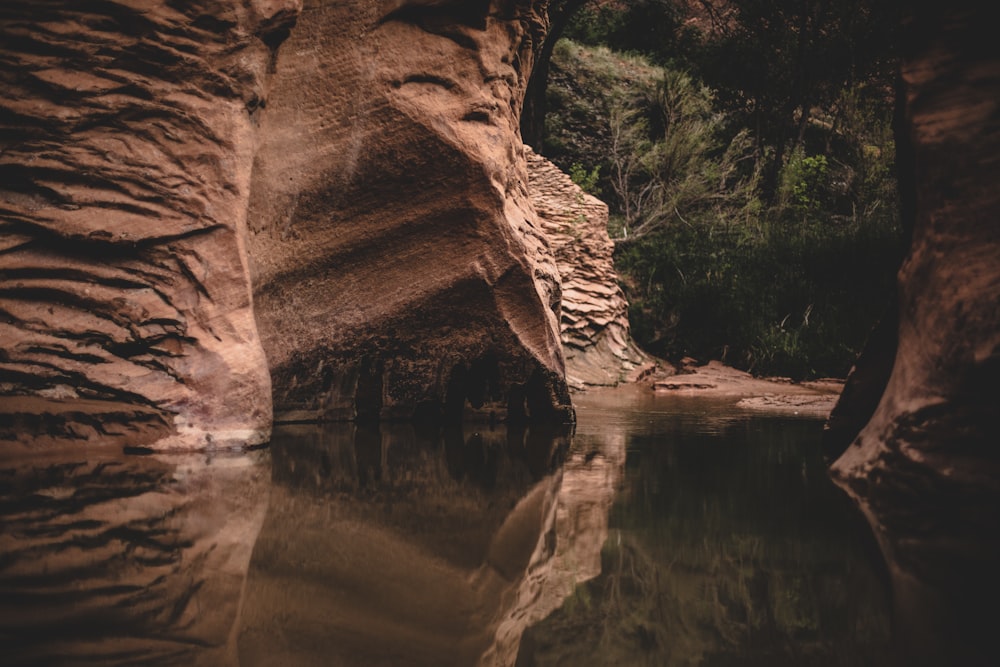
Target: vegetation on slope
{"points": [[756, 220]]}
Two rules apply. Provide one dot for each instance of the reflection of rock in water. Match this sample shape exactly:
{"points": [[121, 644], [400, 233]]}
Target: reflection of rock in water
{"points": [[572, 550], [727, 546], [382, 546], [124, 560], [942, 550]]}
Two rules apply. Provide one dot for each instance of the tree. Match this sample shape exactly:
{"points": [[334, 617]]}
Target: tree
{"points": [[533, 112], [672, 161], [773, 62]]}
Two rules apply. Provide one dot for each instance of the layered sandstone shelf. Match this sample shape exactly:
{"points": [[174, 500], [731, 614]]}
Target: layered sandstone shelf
{"points": [[594, 326]]}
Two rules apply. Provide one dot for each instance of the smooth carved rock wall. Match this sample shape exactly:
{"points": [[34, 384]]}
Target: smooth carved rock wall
{"points": [[595, 333], [399, 270], [126, 145], [926, 467]]}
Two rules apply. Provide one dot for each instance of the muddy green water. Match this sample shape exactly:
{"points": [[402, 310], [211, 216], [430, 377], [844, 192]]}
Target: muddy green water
{"points": [[663, 531]]}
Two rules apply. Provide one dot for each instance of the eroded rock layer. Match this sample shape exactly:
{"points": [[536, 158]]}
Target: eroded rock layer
{"points": [[598, 347], [126, 146], [398, 267]]}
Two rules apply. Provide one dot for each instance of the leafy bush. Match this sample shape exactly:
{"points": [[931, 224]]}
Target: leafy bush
{"points": [[805, 182], [587, 180], [714, 267]]}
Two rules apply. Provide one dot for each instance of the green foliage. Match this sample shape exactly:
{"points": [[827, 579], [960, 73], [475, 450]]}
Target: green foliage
{"points": [[654, 28], [804, 182], [585, 85], [788, 296], [669, 158], [646, 139], [755, 214], [587, 180]]}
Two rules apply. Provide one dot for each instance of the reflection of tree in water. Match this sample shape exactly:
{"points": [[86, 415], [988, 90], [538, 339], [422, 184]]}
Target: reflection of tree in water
{"points": [[645, 610], [751, 561]]}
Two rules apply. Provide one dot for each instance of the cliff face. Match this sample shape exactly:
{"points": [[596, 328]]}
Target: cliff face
{"points": [[937, 419], [594, 327], [926, 466], [398, 267], [126, 145]]}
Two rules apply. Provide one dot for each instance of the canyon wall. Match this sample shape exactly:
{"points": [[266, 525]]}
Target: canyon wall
{"points": [[925, 468], [174, 182], [126, 146], [399, 269], [596, 340]]}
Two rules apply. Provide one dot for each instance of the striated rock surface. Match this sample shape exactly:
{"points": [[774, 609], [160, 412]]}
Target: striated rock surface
{"points": [[926, 467], [598, 347], [398, 267], [126, 146]]}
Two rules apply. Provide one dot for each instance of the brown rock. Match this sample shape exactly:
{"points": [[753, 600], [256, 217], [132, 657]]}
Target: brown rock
{"points": [[926, 467], [127, 144], [398, 264], [398, 267], [594, 327]]}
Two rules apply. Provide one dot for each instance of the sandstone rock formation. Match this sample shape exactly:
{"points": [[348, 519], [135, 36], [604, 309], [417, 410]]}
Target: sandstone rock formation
{"points": [[926, 467], [126, 148], [398, 267], [598, 347]]}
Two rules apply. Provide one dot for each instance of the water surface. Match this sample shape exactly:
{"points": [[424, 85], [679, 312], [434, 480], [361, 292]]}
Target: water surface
{"points": [[664, 531], [728, 545]]}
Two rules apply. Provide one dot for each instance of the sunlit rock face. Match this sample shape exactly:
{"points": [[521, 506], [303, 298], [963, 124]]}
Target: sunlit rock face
{"points": [[594, 327], [926, 467], [126, 145], [399, 270]]}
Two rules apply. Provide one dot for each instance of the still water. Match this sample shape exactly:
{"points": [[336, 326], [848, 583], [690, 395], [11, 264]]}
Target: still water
{"points": [[663, 531]]}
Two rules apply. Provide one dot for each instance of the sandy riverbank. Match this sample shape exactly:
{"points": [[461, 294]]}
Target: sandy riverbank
{"points": [[768, 394]]}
